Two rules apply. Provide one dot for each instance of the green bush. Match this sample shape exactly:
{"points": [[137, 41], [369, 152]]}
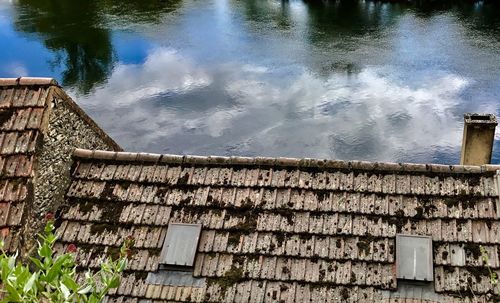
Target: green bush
{"points": [[53, 278], [492, 275]]}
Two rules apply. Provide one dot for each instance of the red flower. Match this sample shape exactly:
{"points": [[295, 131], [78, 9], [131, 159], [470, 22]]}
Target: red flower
{"points": [[49, 216], [71, 248]]}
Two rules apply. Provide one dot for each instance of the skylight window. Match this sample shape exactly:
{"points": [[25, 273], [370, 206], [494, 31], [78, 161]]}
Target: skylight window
{"points": [[181, 242], [414, 258]]}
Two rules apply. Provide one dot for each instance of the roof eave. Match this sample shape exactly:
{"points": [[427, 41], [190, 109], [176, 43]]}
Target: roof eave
{"points": [[28, 81]]}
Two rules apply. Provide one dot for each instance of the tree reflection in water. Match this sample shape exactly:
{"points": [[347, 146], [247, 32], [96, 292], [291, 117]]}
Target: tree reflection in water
{"points": [[79, 32]]}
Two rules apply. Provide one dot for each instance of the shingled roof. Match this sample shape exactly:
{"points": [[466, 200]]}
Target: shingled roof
{"points": [[285, 230], [22, 114], [26, 112]]}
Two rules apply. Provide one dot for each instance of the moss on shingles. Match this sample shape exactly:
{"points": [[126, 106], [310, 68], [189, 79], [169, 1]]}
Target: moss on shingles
{"points": [[479, 273], [249, 222], [280, 238], [399, 213], [185, 201], [111, 212], [474, 180], [233, 276], [99, 228], [247, 203], [470, 202], [5, 115], [344, 293], [364, 244], [398, 222], [419, 212], [425, 208], [233, 239], [183, 180], [161, 192], [288, 214], [216, 203], [451, 201], [472, 249], [444, 255], [107, 192], [114, 252], [85, 207], [322, 195], [97, 251]]}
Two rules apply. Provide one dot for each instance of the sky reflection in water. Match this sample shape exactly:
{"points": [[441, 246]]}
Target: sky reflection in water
{"points": [[348, 81]]}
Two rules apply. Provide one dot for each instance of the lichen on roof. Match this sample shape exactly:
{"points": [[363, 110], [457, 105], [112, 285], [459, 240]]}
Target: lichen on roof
{"points": [[314, 226]]}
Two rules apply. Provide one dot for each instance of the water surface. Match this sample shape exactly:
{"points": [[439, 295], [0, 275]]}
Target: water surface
{"points": [[346, 80]]}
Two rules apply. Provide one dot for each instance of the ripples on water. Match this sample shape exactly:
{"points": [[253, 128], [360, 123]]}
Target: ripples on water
{"points": [[345, 79]]}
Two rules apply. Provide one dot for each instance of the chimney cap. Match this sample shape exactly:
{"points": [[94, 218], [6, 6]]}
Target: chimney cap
{"points": [[474, 118]]}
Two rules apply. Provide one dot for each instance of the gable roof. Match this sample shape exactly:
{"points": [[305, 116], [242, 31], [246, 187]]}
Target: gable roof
{"points": [[285, 230], [24, 117], [33, 92], [23, 112]]}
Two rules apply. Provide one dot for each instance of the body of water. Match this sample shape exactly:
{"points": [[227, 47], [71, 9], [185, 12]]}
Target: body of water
{"points": [[340, 79]]}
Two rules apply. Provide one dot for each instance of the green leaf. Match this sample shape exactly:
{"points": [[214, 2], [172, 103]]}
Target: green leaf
{"points": [[85, 290], [93, 299], [70, 283], [88, 275], [37, 263], [49, 227], [51, 239], [45, 251], [5, 269], [12, 261], [122, 264], [14, 295], [55, 270], [114, 282], [51, 274], [54, 277], [29, 285], [65, 291]]}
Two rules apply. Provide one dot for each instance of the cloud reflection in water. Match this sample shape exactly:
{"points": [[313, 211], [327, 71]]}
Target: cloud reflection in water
{"points": [[170, 104]]}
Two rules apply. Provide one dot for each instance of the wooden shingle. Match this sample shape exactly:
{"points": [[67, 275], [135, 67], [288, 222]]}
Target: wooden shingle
{"points": [[288, 234]]}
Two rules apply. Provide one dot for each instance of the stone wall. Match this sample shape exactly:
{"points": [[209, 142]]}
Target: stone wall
{"points": [[68, 128]]}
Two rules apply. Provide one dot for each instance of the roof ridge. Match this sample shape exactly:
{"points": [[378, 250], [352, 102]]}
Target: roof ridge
{"points": [[27, 81], [281, 161]]}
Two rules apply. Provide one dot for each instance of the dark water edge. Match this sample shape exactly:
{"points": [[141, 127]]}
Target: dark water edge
{"points": [[368, 80]]}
